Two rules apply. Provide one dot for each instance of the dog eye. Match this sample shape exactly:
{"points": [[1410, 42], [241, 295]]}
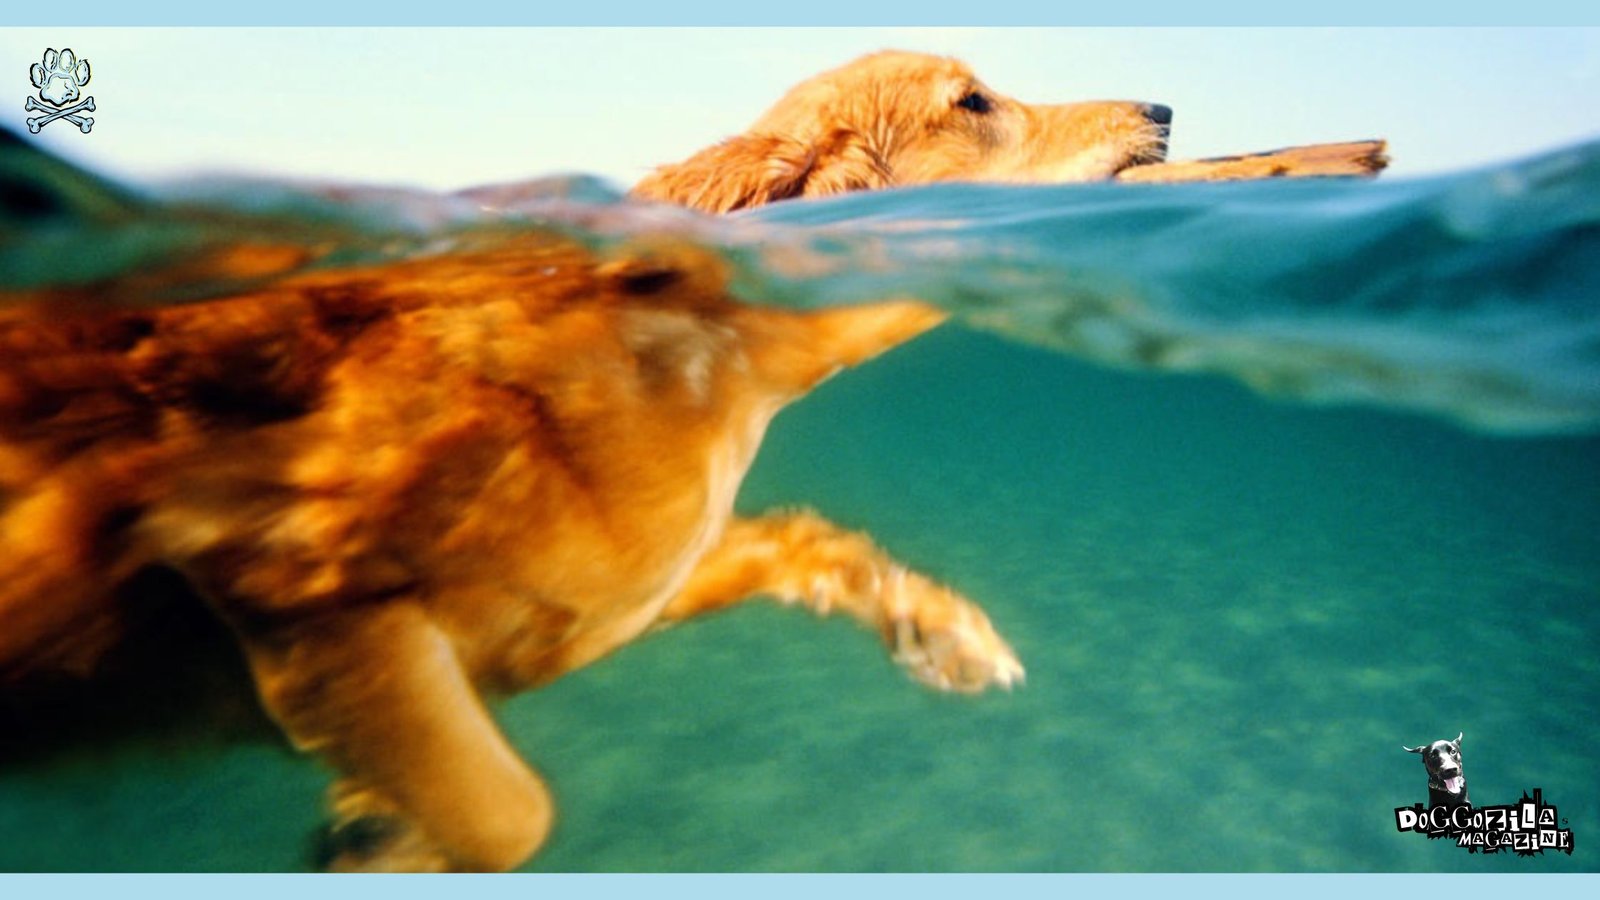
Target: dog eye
{"points": [[976, 102]]}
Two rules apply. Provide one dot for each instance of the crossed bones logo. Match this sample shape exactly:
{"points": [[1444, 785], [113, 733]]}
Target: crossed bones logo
{"points": [[58, 79]]}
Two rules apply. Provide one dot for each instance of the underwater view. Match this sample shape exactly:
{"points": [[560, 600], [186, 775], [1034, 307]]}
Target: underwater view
{"points": [[1264, 482]]}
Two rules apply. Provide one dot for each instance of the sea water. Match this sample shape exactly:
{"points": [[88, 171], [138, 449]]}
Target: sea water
{"points": [[1263, 482]]}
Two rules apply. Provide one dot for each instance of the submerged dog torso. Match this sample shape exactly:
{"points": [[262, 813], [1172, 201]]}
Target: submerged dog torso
{"points": [[356, 437], [401, 484]]}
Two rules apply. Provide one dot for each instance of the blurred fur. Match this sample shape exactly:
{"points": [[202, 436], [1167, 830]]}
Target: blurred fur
{"points": [[400, 486]]}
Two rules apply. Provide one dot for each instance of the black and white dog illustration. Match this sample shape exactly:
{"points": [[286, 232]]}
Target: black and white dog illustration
{"points": [[1447, 781]]}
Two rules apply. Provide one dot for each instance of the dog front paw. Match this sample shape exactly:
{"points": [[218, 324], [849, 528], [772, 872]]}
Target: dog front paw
{"points": [[375, 844], [944, 640], [369, 834]]}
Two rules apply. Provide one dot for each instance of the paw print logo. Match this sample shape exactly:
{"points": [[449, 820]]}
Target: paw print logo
{"points": [[60, 78]]}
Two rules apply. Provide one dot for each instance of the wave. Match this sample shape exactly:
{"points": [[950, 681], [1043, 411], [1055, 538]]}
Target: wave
{"points": [[1475, 296]]}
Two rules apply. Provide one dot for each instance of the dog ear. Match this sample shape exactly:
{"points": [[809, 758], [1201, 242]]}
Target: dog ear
{"points": [[749, 170], [1457, 741], [757, 169], [846, 162], [1413, 749]]}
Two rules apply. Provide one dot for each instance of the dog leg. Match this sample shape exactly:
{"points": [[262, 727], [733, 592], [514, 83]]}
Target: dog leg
{"points": [[943, 640], [429, 783]]}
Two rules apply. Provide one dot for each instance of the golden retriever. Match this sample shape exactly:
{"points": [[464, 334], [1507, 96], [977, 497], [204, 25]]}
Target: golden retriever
{"points": [[404, 485], [896, 118]]}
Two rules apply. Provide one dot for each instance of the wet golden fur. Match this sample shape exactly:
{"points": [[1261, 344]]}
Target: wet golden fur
{"points": [[896, 118], [406, 485], [403, 486]]}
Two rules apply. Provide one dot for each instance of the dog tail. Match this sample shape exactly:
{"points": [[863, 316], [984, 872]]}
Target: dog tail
{"points": [[795, 351]]}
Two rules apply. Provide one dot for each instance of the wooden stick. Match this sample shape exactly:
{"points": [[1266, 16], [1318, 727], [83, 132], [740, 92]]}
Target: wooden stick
{"points": [[1358, 158]]}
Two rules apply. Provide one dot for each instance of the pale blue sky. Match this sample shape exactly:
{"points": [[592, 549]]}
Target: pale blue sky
{"points": [[454, 107]]}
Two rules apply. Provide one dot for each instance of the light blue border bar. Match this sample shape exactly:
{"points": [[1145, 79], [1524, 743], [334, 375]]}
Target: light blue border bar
{"points": [[810, 12]]}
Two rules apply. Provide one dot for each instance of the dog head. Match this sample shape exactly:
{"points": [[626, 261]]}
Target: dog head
{"points": [[898, 118], [1443, 761]]}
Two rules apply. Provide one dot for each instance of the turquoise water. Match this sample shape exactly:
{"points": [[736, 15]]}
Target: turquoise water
{"points": [[1261, 481]]}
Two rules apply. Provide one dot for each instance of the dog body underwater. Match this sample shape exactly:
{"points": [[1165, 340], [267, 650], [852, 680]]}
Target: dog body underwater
{"points": [[408, 484]]}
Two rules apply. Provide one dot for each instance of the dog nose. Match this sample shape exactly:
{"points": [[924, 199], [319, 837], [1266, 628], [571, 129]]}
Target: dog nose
{"points": [[1158, 113]]}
